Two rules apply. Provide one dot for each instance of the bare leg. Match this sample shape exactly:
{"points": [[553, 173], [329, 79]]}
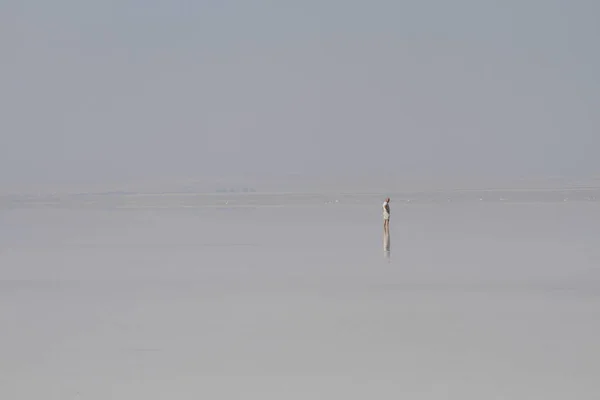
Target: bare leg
{"points": [[386, 235]]}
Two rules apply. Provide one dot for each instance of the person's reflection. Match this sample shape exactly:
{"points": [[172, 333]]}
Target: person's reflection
{"points": [[386, 245], [386, 241]]}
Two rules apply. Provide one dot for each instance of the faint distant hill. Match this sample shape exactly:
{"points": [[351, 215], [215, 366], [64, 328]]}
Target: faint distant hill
{"points": [[303, 184], [236, 190]]}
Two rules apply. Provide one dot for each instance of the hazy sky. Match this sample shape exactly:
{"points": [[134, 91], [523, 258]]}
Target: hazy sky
{"points": [[106, 89]]}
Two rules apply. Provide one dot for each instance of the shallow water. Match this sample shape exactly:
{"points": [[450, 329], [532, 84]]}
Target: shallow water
{"points": [[474, 301]]}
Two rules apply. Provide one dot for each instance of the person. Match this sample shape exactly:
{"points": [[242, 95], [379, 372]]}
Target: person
{"points": [[386, 216]]}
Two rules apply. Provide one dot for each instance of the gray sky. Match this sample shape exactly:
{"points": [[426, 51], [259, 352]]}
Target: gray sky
{"points": [[101, 90]]}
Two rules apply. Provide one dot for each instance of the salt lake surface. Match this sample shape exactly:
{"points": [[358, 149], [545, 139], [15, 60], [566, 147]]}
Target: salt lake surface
{"points": [[474, 301]]}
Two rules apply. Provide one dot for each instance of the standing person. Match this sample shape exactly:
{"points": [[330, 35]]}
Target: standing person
{"points": [[386, 216]]}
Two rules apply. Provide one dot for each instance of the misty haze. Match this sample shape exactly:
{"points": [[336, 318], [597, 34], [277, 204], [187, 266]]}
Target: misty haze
{"points": [[191, 200]]}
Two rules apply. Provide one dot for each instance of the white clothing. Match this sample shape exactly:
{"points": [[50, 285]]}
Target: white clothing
{"points": [[386, 214]]}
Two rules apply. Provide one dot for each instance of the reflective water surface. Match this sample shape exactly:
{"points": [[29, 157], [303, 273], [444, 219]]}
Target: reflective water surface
{"points": [[473, 301]]}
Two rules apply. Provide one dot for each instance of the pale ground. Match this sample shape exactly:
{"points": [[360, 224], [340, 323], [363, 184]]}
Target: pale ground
{"points": [[478, 300]]}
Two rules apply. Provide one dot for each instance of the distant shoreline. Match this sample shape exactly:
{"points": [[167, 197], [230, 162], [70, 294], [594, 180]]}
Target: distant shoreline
{"points": [[302, 185], [174, 200]]}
